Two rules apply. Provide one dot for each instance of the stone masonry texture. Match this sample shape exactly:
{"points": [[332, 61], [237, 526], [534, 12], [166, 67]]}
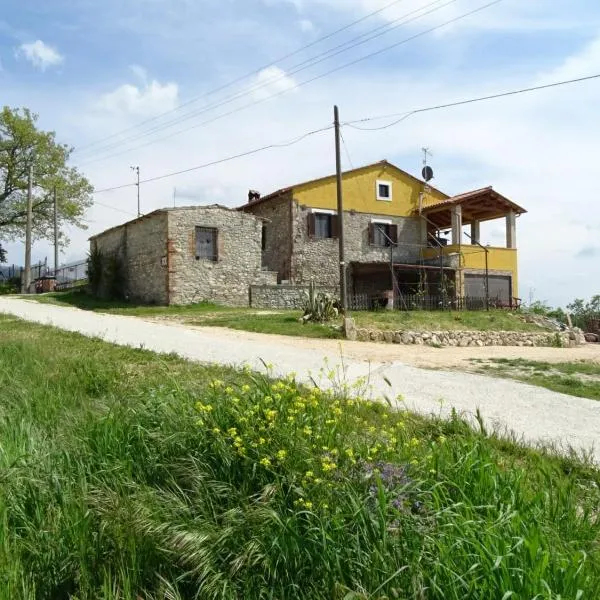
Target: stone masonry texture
{"points": [[284, 296], [139, 246], [226, 280]]}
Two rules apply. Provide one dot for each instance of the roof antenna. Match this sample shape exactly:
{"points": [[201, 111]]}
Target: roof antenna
{"points": [[427, 174]]}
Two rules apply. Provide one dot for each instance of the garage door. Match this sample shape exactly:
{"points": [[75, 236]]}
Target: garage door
{"points": [[500, 287]]}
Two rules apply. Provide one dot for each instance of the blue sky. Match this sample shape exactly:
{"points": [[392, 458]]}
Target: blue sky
{"points": [[91, 69]]}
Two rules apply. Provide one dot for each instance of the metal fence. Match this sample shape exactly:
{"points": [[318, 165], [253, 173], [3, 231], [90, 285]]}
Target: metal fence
{"points": [[71, 276], [408, 302]]}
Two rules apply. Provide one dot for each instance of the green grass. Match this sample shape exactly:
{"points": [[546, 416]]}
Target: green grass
{"points": [[126, 475], [494, 320], [286, 322], [204, 314], [579, 378]]}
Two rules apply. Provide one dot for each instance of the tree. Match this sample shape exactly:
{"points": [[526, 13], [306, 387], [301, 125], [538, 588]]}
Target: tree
{"points": [[21, 144], [2, 254], [582, 311]]}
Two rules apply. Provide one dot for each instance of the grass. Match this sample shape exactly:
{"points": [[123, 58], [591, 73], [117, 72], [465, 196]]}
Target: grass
{"points": [[204, 314], [579, 378], [494, 320], [126, 475], [286, 322]]}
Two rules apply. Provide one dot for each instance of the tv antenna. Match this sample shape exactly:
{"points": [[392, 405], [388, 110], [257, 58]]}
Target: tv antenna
{"points": [[427, 171]]}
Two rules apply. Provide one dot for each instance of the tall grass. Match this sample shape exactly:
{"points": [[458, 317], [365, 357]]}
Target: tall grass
{"points": [[125, 475]]}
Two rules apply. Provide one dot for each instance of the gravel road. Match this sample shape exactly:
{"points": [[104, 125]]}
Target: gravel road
{"points": [[534, 414]]}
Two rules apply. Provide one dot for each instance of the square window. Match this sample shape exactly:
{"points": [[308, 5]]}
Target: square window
{"points": [[384, 190], [206, 243], [383, 235], [323, 226]]}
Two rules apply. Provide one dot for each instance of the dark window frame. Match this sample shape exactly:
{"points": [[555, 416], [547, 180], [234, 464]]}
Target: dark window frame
{"points": [[381, 241], [213, 254], [318, 230]]}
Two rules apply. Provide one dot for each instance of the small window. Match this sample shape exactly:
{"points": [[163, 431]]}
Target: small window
{"points": [[383, 235], [322, 225], [206, 243], [263, 243], [384, 190]]}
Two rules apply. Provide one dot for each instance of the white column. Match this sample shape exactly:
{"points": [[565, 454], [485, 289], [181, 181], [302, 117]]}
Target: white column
{"points": [[456, 225], [475, 232], [511, 230]]}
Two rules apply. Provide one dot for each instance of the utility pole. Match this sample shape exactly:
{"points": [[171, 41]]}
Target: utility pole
{"points": [[136, 169], [340, 210], [28, 228], [55, 233]]}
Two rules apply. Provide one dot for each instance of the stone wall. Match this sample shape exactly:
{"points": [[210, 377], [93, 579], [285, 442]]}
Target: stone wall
{"points": [[317, 259], [465, 339], [276, 215], [226, 280], [283, 296], [140, 247]]}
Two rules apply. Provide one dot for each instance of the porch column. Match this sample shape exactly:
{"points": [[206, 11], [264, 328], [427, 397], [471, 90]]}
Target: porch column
{"points": [[511, 230], [475, 233], [456, 225]]}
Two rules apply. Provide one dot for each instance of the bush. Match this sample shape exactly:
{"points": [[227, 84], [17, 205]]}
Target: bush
{"points": [[319, 307]]}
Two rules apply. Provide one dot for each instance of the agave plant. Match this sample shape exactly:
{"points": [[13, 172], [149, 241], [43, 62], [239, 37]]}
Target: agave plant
{"points": [[319, 307]]}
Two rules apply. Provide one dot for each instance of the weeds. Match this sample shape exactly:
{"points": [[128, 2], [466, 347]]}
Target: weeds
{"points": [[125, 475]]}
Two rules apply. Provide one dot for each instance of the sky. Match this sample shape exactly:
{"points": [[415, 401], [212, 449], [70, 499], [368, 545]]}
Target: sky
{"points": [[173, 84]]}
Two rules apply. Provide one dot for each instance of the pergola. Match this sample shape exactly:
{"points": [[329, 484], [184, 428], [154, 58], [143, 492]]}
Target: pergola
{"points": [[471, 208]]}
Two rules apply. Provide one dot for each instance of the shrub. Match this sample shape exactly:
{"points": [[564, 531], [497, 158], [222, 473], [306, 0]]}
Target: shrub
{"points": [[319, 307]]}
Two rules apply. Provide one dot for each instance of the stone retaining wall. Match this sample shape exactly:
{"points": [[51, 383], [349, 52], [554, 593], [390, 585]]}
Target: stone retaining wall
{"points": [[466, 338], [282, 296]]}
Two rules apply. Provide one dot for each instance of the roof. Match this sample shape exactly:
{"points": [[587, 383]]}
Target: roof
{"points": [[163, 211], [483, 204], [382, 163]]}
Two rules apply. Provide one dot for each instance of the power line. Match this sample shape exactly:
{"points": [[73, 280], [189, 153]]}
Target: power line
{"points": [[405, 115], [247, 75], [219, 161], [311, 62]]}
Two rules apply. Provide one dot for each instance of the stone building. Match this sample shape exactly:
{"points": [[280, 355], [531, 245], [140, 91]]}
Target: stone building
{"points": [[393, 223], [186, 255]]}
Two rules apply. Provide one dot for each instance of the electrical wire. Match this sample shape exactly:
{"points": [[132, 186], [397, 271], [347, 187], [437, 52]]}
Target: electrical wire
{"points": [[331, 53], [247, 75], [219, 161], [408, 114]]}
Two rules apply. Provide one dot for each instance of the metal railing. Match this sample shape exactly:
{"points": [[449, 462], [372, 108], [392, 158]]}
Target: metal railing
{"points": [[410, 302]]}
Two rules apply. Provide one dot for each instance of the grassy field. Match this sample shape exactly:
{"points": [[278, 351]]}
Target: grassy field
{"points": [[128, 475], [286, 322], [578, 378]]}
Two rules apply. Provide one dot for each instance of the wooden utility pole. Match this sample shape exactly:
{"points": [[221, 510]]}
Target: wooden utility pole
{"points": [[55, 233], [340, 211], [28, 228]]}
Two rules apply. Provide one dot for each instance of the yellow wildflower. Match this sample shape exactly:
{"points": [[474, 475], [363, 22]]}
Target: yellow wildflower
{"points": [[271, 415], [245, 388], [216, 430], [330, 422], [205, 408], [216, 384], [309, 475], [307, 430], [281, 454], [265, 462], [232, 431]]}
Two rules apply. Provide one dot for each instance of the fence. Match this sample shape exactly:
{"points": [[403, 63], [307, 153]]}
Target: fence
{"points": [[408, 302], [71, 276]]}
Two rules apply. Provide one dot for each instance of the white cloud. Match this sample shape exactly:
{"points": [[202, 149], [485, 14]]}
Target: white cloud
{"points": [[143, 101], [271, 81], [306, 26], [40, 55]]}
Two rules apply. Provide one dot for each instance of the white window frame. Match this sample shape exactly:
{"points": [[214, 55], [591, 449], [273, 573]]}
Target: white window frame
{"points": [[383, 182], [382, 221], [324, 211]]}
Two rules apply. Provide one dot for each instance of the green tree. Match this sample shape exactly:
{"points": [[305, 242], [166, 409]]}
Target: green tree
{"points": [[21, 144], [2, 254], [582, 311]]}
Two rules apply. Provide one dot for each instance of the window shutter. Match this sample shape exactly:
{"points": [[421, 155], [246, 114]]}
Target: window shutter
{"points": [[335, 226], [371, 234], [393, 234], [311, 224]]}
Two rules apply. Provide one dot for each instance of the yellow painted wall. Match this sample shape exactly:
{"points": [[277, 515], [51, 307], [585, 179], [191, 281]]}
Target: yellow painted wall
{"points": [[359, 188], [473, 257]]}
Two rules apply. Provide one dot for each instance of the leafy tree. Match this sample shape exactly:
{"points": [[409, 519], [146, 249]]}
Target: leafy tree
{"points": [[2, 254], [582, 311], [22, 143]]}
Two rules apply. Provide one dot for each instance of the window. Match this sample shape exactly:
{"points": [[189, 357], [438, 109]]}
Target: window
{"points": [[384, 190], [322, 225], [383, 234], [206, 243]]}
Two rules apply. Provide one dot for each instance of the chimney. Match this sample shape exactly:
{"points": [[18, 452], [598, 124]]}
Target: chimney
{"points": [[253, 195]]}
